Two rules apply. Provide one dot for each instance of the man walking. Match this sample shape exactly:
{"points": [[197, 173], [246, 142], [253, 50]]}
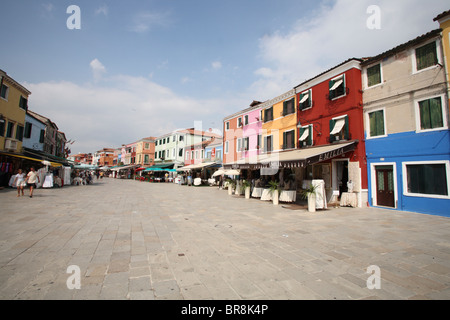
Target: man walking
{"points": [[32, 177]]}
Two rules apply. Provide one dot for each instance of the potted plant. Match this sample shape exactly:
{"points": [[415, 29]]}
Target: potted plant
{"points": [[310, 194], [231, 184], [274, 188], [246, 186]]}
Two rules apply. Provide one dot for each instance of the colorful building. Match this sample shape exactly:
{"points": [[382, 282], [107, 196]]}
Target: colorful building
{"points": [[406, 127], [444, 22], [330, 116], [145, 152]]}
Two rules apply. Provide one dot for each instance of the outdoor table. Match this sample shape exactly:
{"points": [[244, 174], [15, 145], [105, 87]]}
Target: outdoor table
{"points": [[266, 195], [257, 192], [288, 196], [349, 199]]}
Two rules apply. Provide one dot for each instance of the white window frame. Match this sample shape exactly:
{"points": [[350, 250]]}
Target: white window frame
{"points": [[423, 195], [227, 125], [246, 119], [312, 135], [368, 136], [265, 143], [309, 91], [295, 144], [373, 182], [344, 80], [366, 79], [444, 113], [239, 145], [237, 122], [414, 58], [226, 147]]}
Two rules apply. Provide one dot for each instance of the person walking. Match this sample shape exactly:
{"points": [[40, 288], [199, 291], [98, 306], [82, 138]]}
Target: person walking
{"points": [[32, 177], [19, 181]]}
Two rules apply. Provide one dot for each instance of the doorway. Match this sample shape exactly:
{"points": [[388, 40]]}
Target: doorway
{"points": [[385, 193], [340, 176]]}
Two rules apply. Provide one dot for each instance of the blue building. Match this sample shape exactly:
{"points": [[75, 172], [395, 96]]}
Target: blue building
{"points": [[406, 127]]}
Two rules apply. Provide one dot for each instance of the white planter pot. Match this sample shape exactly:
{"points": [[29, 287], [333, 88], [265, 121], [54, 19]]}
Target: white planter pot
{"points": [[247, 193], [230, 190], [275, 197], [312, 202]]}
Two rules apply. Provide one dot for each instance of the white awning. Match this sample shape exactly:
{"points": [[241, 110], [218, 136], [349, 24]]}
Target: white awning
{"points": [[336, 84], [338, 126], [304, 135], [305, 97]]}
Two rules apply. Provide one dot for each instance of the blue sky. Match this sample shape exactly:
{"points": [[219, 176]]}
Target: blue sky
{"points": [[144, 68]]}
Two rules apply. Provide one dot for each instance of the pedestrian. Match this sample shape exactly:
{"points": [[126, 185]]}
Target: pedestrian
{"points": [[19, 181], [32, 177]]}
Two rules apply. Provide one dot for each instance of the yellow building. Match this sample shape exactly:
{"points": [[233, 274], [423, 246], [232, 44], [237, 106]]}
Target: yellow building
{"points": [[279, 128], [13, 107], [444, 23]]}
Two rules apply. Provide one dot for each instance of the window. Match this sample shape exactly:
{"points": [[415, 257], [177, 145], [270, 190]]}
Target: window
{"points": [[227, 126], [239, 145], [239, 122], [156, 143], [23, 103], [376, 123], [174, 138], [226, 146], [146, 159], [431, 114], [305, 100], [181, 138], [19, 133], [147, 145], [374, 75], [187, 155], [9, 129], [306, 136], [2, 127], [259, 142], [337, 87], [246, 142], [180, 152], [192, 155], [427, 178], [339, 129], [268, 144], [27, 133], [426, 56], [246, 120], [42, 136], [289, 107], [218, 155], [268, 114], [196, 154], [4, 92], [289, 139]]}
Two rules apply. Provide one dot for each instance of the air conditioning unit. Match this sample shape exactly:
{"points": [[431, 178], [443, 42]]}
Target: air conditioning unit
{"points": [[10, 144]]}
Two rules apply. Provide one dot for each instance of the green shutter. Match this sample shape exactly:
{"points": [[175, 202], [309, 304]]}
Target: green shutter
{"points": [[310, 138], [436, 113], [373, 75], [284, 108], [426, 56], [347, 133], [332, 122], [331, 93]]}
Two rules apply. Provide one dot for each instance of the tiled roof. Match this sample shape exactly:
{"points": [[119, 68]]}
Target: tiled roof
{"points": [[403, 46], [443, 14]]}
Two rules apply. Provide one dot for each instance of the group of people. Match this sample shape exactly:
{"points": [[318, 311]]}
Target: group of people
{"points": [[23, 180]]}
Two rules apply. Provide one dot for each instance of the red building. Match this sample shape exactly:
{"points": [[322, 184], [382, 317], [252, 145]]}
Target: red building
{"points": [[330, 113]]}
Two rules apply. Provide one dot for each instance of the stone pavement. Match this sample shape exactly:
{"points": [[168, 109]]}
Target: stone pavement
{"points": [[137, 240]]}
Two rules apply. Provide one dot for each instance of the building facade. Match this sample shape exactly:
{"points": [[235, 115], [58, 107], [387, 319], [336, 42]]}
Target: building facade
{"points": [[406, 127], [330, 114]]}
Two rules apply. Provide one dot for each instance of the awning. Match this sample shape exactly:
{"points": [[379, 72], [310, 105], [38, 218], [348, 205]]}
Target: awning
{"points": [[296, 158], [305, 97], [229, 172], [338, 126], [304, 135], [53, 164], [83, 166], [124, 167], [336, 85], [163, 165], [197, 166]]}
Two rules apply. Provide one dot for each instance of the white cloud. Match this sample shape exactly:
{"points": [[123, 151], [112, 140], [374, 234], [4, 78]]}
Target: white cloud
{"points": [[48, 7], [120, 110], [216, 65], [145, 21], [335, 32], [98, 69], [102, 10]]}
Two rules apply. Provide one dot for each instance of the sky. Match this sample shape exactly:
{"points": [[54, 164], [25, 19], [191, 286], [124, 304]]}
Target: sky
{"points": [[114, 72]]}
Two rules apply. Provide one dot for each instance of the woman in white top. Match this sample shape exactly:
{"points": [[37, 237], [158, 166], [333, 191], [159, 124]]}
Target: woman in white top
{"points": [[20, 182]]}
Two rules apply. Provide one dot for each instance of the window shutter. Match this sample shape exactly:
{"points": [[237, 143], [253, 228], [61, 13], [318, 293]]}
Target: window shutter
{"points": [[330, 93], [41, 138], [332, 122], [347, 132], [310, 135]]}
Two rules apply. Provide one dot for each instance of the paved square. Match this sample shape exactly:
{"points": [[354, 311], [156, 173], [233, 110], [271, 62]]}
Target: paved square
{"points": [[137, 240]]}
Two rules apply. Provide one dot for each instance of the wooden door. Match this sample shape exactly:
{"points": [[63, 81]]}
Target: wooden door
{"points": [[385, 186]]}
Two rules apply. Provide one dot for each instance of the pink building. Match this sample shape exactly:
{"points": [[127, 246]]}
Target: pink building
{"points": [[251, 130]]}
